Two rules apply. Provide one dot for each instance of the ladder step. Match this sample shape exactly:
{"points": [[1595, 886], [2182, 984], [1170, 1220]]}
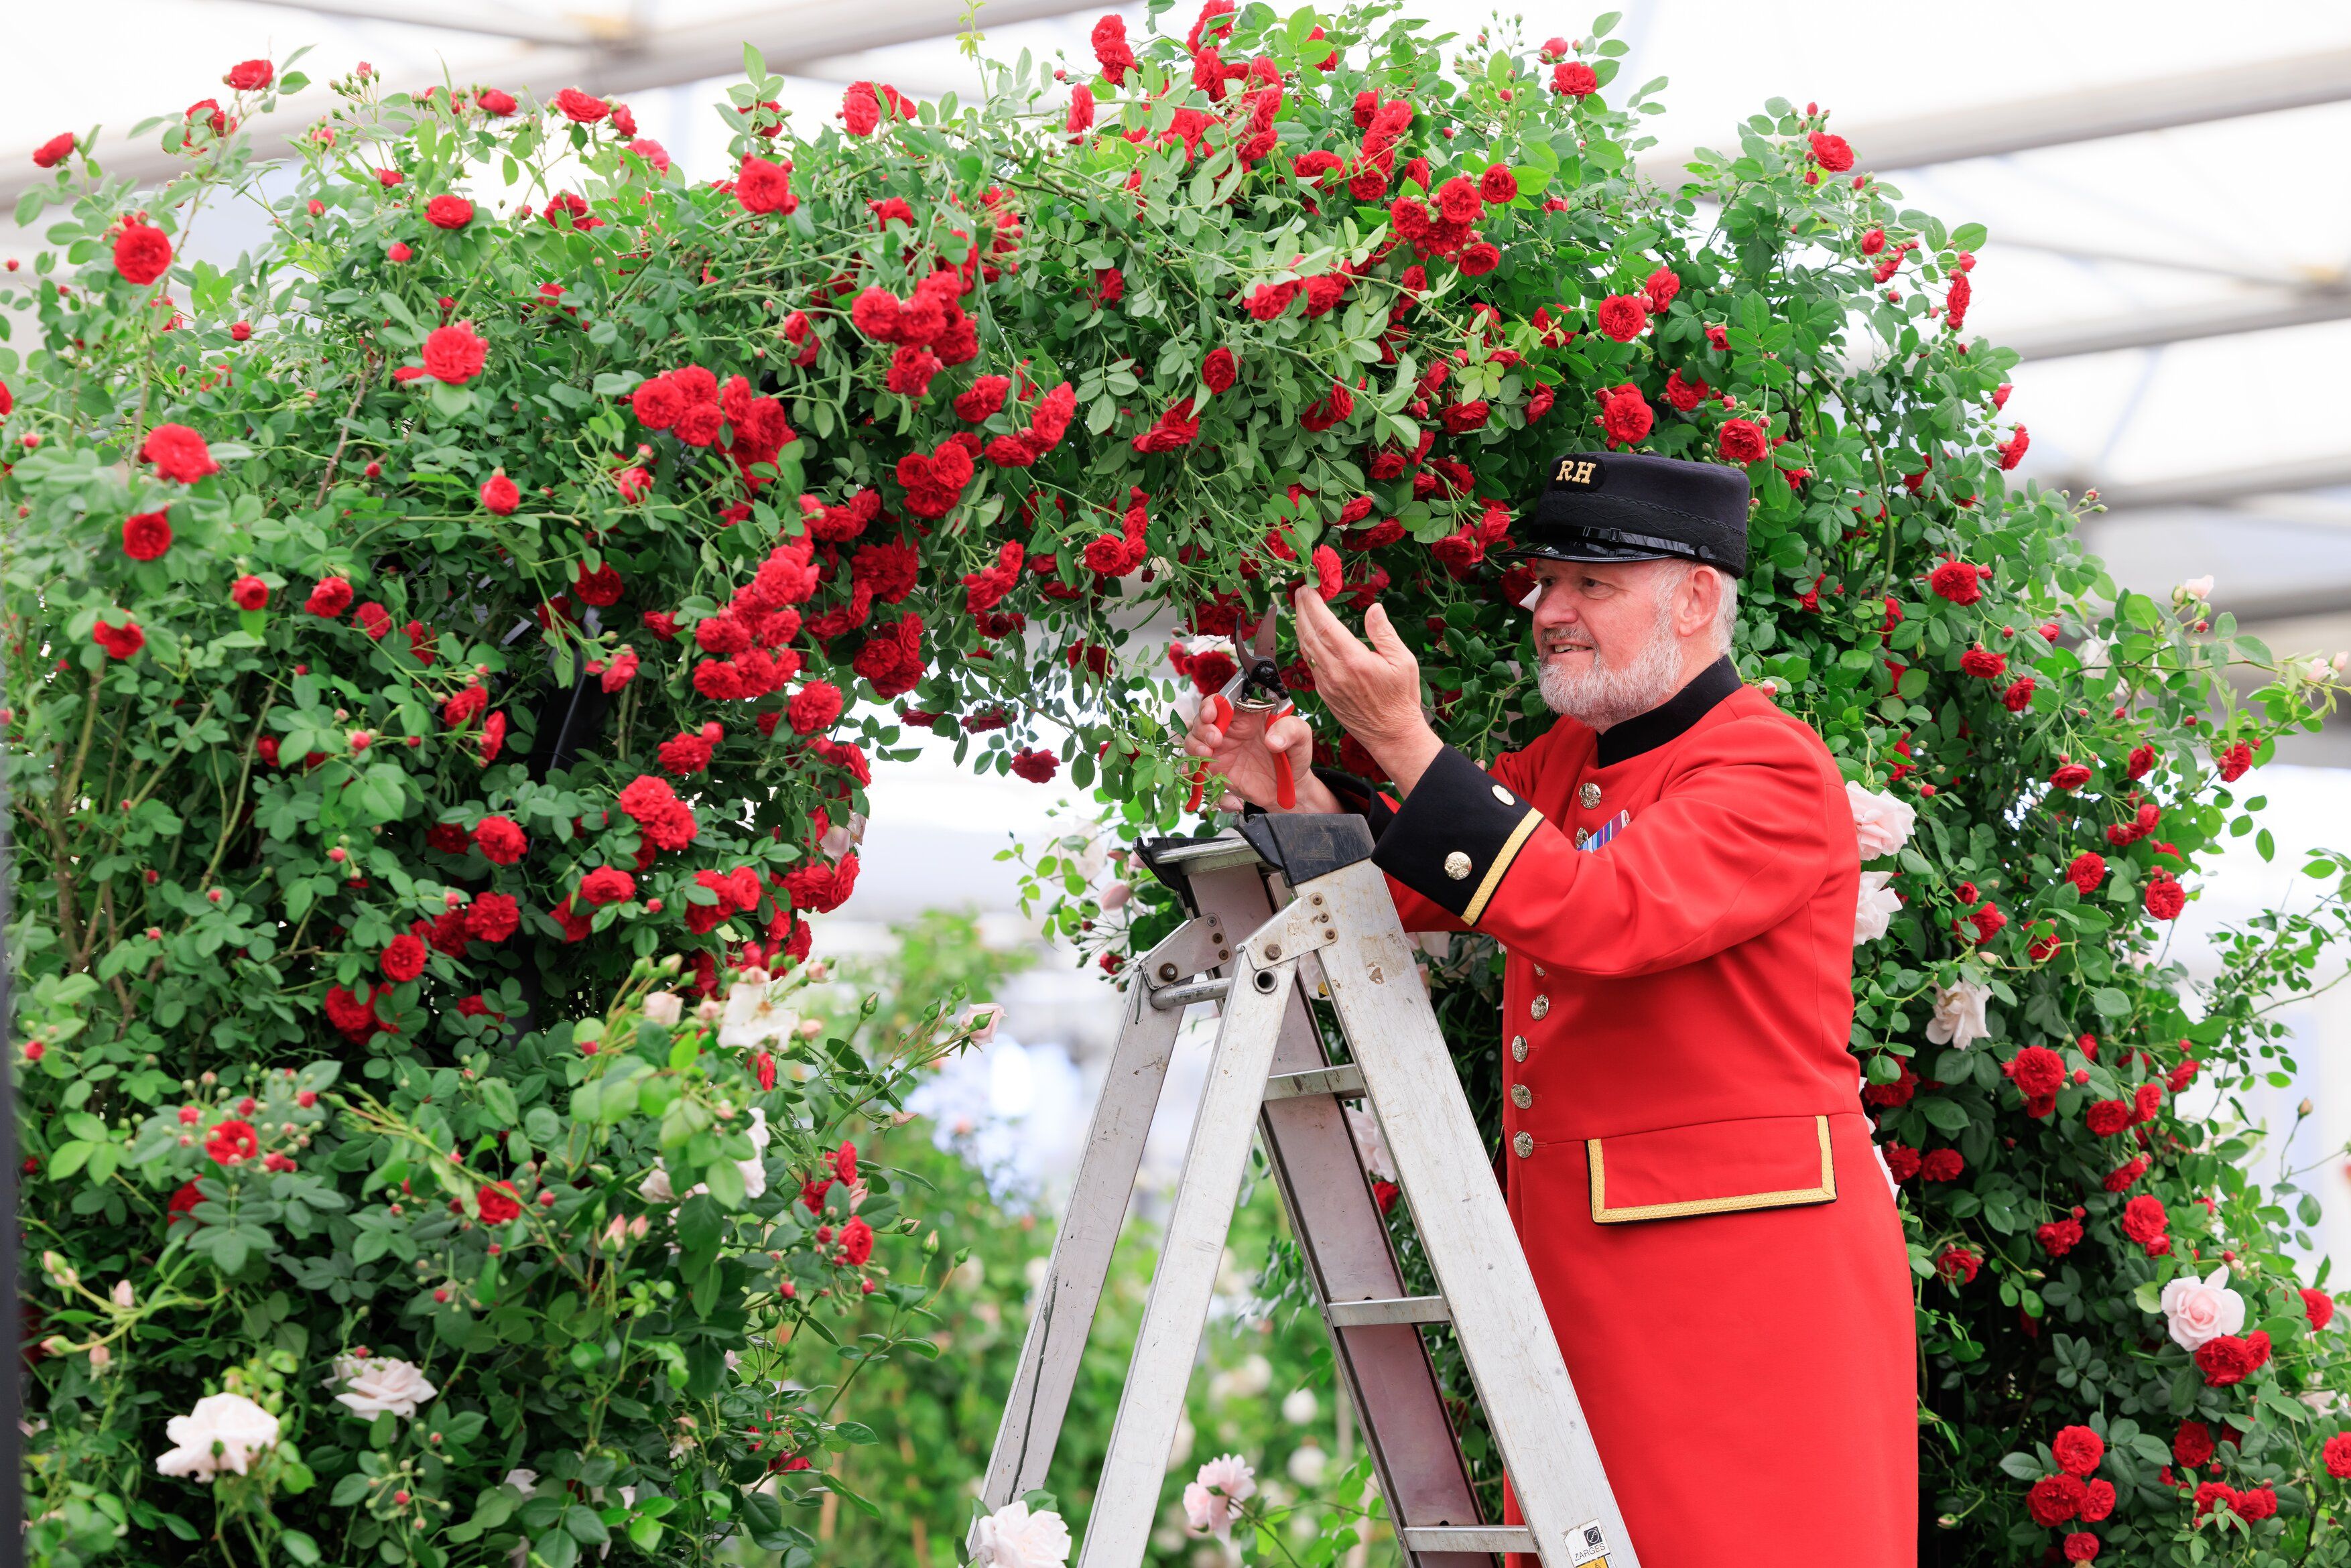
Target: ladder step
{"points": [[1346, 1080], [1184, 995], [1400, 1310], [1468, 1538]]}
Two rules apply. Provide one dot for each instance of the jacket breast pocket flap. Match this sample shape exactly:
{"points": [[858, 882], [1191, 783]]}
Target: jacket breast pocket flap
{"points": [[1711, 1167]]}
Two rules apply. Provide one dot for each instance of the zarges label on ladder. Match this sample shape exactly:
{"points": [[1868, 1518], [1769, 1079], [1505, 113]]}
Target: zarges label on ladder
{"points": [[1587, 1543]]}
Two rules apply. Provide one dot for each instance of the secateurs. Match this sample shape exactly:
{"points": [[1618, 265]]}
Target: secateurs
{"points": [[1258, 689]]}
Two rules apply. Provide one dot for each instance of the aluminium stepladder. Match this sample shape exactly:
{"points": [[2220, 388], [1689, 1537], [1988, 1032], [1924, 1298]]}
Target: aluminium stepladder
{"points": [[1263, 898]]}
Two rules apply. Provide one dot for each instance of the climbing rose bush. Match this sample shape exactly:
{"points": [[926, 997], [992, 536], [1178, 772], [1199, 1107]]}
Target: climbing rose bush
{"points": [[450, 647]]}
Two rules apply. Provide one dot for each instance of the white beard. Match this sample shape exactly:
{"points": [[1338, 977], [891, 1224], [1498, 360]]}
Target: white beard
{"points": [[1604, 694]]}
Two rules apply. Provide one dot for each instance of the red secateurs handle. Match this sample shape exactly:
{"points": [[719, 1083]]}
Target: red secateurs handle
{"points": [[1285, 786]]}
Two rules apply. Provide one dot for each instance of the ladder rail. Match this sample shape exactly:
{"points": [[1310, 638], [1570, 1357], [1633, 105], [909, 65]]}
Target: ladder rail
{"points": [[1079, 1268], [1127, 1501], [1505, 1335], [1343, 1241]]}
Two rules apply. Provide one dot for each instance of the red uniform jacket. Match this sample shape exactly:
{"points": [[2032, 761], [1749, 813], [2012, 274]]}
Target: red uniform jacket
{"points": [[1687, 1160]]}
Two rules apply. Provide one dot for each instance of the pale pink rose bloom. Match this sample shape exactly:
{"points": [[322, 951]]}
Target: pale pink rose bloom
{"points": [[981, 1019], [382, 1383], [665, 1007], [1881, 822], [2203, 1310], [1211, 1500], [1012, 1537], [1877, 904], [1115, 895], [2197, 587], [238, 1427], [1370, 1144], [1959, 1018]]}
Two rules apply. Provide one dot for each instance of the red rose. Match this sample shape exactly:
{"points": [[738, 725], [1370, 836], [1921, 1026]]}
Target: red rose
{"points": [[374, 618], [2213, 1495], [2164, 897], [1833, 153], [861, 111], [2235, 761], [1037, 767], [2059, 1236], [685, 753], [500, 494], [607, 885], [1955, 302], [2078, 1450], [1903, 1160], [1622, 316], [2081, 1546], [2319, 1307], [2225, 1360], [1626, 414], [448, 211], [54, 151], [580, 108], [250, 75], [496, 1203], [403, 960], [454, 354], [2019, 695], [1957, 581], [2120, 1178], [1220, 370], [2012, 451], [764, 187], [2256, 1505], [1498, 184], [2337, 1456], [2073, 776], [330, 597], [121, 641], [1958, 1266], [2055, 1499], [2098, 1504], [635, 484], [2192, 1445], [233, 1142], [142, 253], [500, 840], [493, 918], [2036, 1071], [178, 453], [1742, 441], [1460, 418], [1478, 260], [2107, 1117], [815, 708], [1983, 664], [146, 535], [1659, 288], [1942, 1164], [248, 592], [601, 587], [1574, 79], [2089, 869], [2144, 1220]]}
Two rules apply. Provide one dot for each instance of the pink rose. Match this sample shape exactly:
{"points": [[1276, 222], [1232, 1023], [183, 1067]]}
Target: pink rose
{"points": [[1881, 822], [2202, 1310]]}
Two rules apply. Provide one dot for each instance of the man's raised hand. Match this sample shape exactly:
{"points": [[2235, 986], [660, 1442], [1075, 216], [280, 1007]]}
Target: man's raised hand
{"points": [[1374, 690]]}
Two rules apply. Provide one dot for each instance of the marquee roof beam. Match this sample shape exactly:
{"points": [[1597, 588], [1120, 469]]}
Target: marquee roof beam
{"points": [[2087, 114], [2220, 318], [791, 37], [478, 16], [2223, 486]]}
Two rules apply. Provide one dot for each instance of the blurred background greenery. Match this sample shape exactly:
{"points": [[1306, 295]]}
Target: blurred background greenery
{"points": [[1264, 1387]]}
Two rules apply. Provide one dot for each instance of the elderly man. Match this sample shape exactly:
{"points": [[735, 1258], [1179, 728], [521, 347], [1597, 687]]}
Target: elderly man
{"points": [[1672, 871]]}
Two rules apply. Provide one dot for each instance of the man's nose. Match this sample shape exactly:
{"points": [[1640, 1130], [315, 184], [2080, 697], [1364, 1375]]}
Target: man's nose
{"points": [[1556, 607]]}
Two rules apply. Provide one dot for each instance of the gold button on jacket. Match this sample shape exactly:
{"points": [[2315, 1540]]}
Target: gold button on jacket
{"points": [[1524, 1142]]}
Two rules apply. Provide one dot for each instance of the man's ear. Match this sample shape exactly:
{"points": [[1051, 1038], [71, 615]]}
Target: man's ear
{"points": [[1698, 600]]}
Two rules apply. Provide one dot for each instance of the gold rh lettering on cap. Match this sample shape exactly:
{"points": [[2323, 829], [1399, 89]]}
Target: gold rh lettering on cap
{"points": [[1572, 472]]}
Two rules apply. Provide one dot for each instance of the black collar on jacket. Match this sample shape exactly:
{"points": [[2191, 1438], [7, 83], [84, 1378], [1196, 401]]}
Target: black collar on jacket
{"points": [[1670, 718]]}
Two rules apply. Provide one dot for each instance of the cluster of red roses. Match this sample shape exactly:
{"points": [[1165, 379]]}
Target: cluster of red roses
{"points": [[691, 405]]}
